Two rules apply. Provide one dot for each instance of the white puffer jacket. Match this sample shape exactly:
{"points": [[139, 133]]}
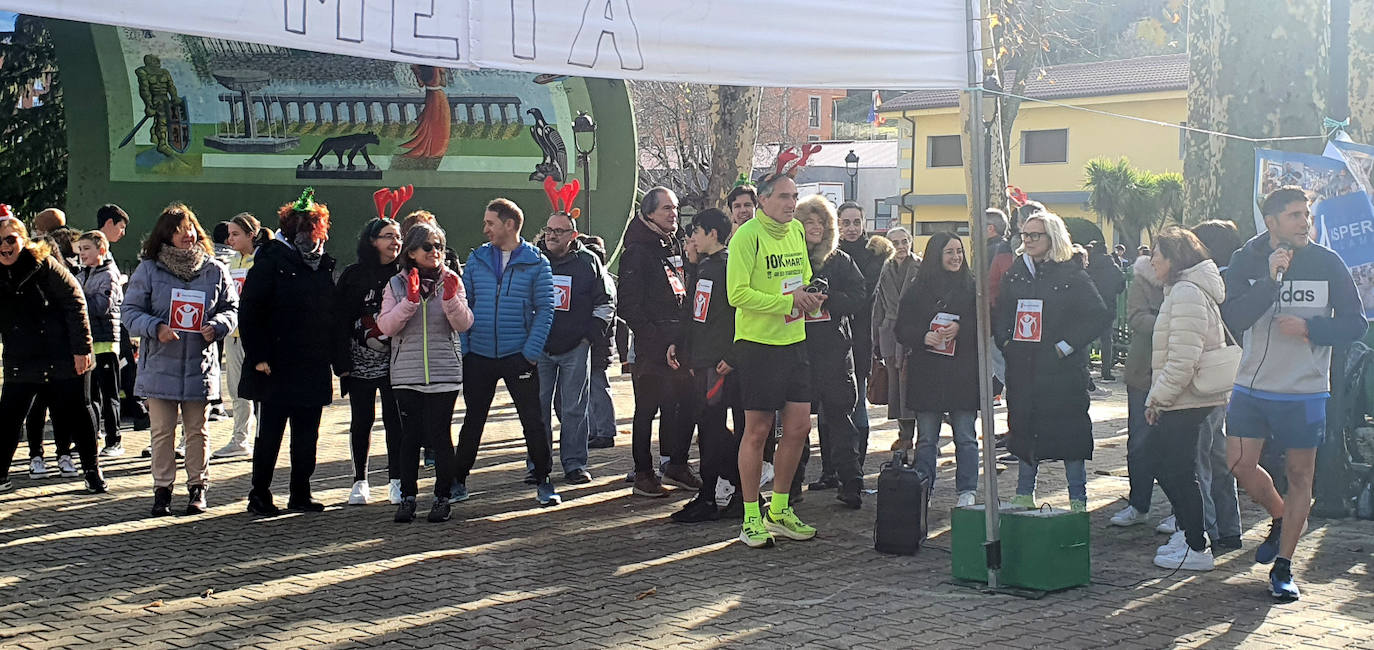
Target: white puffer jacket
{"points": [[1189, 323]]}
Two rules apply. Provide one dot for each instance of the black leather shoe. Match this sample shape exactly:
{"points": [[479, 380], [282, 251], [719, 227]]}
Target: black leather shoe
{"points": [[825, 482], [851, 497], [162, 502], [260, 505], [578, 477], [601, 443], [734, 509], [195, 505], [304, 504], [697, 510]]}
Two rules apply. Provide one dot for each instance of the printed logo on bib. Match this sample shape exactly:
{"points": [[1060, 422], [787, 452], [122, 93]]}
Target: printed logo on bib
{"points": [[1029, 320], [562, 292], [239, 275], [188, 310], [789, 287], [1305, 294], [701, 304], [675, 281]]}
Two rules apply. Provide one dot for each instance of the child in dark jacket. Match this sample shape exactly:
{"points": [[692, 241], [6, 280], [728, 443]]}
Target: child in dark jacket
{"points": [[101, 283]]}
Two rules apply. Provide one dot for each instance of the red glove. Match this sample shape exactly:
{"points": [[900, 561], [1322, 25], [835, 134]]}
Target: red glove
{"points": [[413, 285], [450, 286]]}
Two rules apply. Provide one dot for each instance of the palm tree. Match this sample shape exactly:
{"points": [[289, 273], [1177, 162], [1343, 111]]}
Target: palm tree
{"points": [[1168, 199], [1119, 196]]}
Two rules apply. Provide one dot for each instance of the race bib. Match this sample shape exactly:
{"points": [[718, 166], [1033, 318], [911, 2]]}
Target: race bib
{"points": [[675, 281], [701, 304], [1029, 320], [562, 292], [188, 310], [789, 287], [239, 275], [941, 323], [676, 261]]}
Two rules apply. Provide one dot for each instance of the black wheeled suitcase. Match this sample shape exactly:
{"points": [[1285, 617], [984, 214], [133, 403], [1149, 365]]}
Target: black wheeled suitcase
{"points": [[903, 500]]}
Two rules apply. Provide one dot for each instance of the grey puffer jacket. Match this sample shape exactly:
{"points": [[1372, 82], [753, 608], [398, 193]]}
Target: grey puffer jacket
{"points": [[186, 369], [104, 296], [424, 334]]}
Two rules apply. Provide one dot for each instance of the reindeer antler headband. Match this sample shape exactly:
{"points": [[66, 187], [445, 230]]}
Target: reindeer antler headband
{"points": [[562, 197], [387, 198], [790, 161]]}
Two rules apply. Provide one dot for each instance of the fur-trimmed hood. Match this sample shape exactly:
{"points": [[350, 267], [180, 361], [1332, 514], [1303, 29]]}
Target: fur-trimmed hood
{"points": [[882, 246], [1145, 271], [818, 205]]}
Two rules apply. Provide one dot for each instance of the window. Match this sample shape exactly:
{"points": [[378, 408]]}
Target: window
{"points": [[1038, 147], [813, 138], [813, 109], [944, 151], [928, 228]]}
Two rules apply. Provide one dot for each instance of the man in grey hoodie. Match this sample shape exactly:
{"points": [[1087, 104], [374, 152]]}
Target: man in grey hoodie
{"points": [[1294, 300]]}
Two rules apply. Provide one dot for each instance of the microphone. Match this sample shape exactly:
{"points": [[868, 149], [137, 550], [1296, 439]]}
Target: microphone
{"points": [[1278, 277]]}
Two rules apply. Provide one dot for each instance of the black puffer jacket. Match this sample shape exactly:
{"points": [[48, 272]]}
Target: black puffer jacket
{"points": [[649, 299], [1047, 396], [869, 254], [287, 317], [43, 322]]}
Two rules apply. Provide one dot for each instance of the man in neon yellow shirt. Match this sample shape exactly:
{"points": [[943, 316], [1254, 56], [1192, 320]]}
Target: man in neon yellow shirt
{"points": [[767, 276]]}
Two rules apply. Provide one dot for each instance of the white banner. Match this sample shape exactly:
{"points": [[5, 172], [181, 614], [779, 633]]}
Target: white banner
{"points": [[800, 43]]}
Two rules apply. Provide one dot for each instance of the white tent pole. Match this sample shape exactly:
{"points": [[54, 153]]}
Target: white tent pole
{"points": [[978, 167]]}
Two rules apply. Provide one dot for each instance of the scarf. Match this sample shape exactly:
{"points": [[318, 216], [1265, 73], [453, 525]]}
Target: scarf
{"points": [[429, 281], [666, 237], [184, 263], [311, 250], [772, 227]]}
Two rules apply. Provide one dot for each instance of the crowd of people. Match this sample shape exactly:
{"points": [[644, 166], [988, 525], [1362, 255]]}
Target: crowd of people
{"points": [[763, 314]]}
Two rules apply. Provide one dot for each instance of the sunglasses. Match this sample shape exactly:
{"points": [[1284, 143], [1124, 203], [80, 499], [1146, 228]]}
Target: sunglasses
{"points": [[429, 247], [10, 240]]}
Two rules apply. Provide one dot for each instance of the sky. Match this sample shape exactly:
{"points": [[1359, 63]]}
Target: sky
{"points": [[7, 21]]}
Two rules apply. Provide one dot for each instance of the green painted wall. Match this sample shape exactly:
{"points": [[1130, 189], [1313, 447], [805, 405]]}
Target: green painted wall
{"points": [[93, 70]]}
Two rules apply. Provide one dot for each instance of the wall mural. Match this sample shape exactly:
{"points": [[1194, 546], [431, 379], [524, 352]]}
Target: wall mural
{"points": [[212, 110]]}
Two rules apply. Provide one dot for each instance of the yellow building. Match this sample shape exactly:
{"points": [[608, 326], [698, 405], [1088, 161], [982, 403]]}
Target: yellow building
{"points": [[1049, 144]]}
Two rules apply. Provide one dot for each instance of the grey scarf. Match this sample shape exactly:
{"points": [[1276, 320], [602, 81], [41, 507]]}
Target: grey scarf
{"points": [[184, 263]]}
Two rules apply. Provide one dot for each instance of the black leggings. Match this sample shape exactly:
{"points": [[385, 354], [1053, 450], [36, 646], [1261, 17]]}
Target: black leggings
{"points": [[663, 394], [105, 396], [362, 403], [305, 433], [69, 401], [1173, 445], [426, 418]]}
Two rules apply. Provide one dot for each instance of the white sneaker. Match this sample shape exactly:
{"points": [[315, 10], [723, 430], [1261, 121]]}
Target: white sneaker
{"points": [[1128, 516], [966, 499], [233, 450], [66, 468], [394, 491], [1187, 559], [38, 469], [112, 451], [359, 495], [724, 490], [766, 475], [1100, 393], [1175, 544], [1169, 526]]}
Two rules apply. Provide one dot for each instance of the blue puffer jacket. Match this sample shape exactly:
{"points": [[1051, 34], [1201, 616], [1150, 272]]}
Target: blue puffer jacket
{"points": [[512, 310]]}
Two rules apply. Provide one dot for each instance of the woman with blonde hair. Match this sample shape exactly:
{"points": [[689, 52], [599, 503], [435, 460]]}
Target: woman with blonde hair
{"points": [[244, 229], [1047, 314]]}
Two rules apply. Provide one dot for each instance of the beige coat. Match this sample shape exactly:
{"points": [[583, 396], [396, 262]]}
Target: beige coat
{"points": [[1143, 299], [1189, 323]]}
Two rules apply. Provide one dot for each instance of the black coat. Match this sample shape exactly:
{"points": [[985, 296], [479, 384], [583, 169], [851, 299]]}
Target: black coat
{"points": [[43, 321], [1047, 396], [646, 299], [592, 298], [829, 342], [870, 264], [706, 342], [288, 318], [358, 294], [936, 382]]}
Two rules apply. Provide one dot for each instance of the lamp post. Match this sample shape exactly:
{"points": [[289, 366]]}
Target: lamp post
{"points": [[851, 165], [584, 130]]}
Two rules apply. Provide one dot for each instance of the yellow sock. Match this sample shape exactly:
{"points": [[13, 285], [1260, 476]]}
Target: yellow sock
{"points": [[779, 503]]}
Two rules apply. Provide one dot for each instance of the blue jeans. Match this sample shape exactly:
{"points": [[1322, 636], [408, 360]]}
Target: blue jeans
{"points": [[570, 374], [1138, 467], [1220, 505], [1076, 471], [601, 410], [860, 419], [928, 425]]}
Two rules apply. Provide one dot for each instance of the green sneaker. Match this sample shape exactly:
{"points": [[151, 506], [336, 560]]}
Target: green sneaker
{"points": [[755, 533], [788, 525], [1078, 506], [1024, 501]]}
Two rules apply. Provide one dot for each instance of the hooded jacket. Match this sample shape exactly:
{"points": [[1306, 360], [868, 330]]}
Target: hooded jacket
{"points": [[512, 308], [1143, 299], [43, 323], [829, 338], [587, 312], [104, 293], [1317, 288], [869, 254], [1189, 324], [652, 288]]}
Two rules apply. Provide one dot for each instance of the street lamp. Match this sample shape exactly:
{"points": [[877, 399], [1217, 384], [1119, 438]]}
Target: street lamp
{"points": [[851, 165], [584, 130]]}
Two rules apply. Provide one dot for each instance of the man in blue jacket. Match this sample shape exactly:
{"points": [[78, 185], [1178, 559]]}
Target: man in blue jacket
{"points": [[510, 290], [1293, 299]]}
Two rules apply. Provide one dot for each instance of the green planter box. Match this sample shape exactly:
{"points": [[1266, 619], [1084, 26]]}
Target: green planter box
{"points": [[1047, 550]]}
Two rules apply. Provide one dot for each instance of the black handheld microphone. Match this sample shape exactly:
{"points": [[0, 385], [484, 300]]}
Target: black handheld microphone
{"points": [[1278, 277]]}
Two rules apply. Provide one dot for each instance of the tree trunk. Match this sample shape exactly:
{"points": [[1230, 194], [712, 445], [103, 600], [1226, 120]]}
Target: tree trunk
{"points": [[734, 128], [1361, 72], [1255, 72]]}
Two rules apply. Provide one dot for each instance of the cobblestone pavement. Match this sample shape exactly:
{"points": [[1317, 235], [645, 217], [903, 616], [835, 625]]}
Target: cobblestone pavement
{"points": [[607, 569]]}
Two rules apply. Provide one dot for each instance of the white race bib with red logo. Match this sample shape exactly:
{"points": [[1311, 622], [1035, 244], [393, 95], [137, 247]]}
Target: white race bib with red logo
{"points": [[239, 275], [562, 292], [675, 281], [188, 310], [701, 303], [1030, 317], [789, 287]]}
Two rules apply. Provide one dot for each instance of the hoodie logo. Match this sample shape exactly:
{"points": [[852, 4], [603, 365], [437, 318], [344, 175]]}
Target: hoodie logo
{"points": [[1306, 294]]}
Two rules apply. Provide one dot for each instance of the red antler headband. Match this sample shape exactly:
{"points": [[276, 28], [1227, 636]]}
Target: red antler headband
{"points": [[387, 198], [562, 197], [790, 162]]}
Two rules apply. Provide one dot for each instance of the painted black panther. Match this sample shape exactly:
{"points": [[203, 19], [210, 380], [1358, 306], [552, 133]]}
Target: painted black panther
{"points": [[352, 144]]}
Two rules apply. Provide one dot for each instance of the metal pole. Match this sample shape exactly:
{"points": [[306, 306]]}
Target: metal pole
{"points": [[585, 159], [978, 203]]}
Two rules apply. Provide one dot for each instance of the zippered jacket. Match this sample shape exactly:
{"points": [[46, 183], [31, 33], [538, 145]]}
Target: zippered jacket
{"points": [[423, 334], [512, 308]]}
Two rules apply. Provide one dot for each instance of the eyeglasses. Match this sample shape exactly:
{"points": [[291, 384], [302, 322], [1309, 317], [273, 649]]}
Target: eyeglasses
{"points": [[390, 237], [1032, 236], [557, 232], [10, 240]]}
